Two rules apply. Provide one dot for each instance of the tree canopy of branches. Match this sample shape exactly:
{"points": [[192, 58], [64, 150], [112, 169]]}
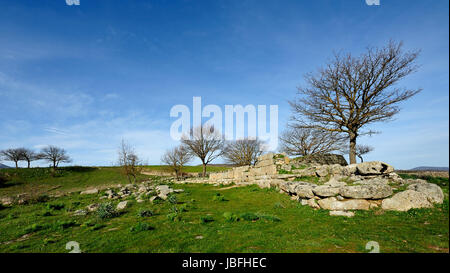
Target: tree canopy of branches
{"points": [[362, 150], [176, 158], [298, 141], [29, 155], [13, 154], [353, 92], [243, 152], [129, 161], [54, 155], [205, 143]]}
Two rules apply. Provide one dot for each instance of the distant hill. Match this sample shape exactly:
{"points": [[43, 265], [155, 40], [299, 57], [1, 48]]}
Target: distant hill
{"points": [[3, 166], [433, 169]]}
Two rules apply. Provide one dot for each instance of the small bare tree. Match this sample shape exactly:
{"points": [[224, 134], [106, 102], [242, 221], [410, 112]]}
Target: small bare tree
{"points": [[176, 158], [29, 155], [353, 92], [360, 150], [13, 154], [54, 155], [205, 143], [130, 163], [243, 152], [298, 141]]}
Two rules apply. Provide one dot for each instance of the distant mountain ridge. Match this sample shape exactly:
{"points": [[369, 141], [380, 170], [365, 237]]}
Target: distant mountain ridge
{"points": [[427, 168], [2, 166]]}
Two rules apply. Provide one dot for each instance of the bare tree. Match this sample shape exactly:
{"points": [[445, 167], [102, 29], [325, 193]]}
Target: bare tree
{"points": [[29, 155], [362, 150], [205, 143], [243, 152], [54, 155], [353, 92], [309, 141], [176, 158], [12, 154], [129, 161]]}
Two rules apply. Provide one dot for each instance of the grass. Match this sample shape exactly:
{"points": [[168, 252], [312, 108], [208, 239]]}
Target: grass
{"points": [[251, 220], [188, 169]]}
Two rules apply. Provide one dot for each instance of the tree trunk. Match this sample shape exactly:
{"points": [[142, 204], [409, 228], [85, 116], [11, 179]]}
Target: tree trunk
{"points": [[28, 164], [352, 154], [17, 166], [361, 158], [204, 170]]}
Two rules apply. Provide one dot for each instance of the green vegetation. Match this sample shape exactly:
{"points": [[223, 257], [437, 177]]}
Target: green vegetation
{"points": [[282, 171], [311, 179], [187, 169], [252, 220]]}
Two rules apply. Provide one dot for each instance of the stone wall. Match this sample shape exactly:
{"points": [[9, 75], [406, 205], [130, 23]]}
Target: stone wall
{"points": [[335, 187]]}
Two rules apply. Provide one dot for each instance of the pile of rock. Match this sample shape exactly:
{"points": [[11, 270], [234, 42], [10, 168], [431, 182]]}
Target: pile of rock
{"points": [[139, 191]]}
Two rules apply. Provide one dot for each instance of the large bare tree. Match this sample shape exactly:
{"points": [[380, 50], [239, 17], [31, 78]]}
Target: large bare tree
{"points": [[29, 155], [176, 158], [353, 92], [298, 141], [205, 143], [243, 152], [54, 155], [130, 163], [13, 154]]}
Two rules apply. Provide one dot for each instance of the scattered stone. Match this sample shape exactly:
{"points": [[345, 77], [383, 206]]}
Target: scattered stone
{"points": [[122, 205], [342, 213], [295, 198], [303, 191], [304, 202], [199, 237], [326, 191], [375, 191], [406, 200], [374, 168], [433, 191], [332, 203], [92, 207], [153, 198], [322, 171], [313, 204], [80, 212], [6, 201], [91, 191]]}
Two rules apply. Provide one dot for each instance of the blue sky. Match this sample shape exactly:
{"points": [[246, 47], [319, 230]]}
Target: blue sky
{"points": [[84, 77]]}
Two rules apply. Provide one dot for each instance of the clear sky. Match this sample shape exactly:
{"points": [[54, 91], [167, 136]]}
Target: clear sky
{"points": [[83, 77]]}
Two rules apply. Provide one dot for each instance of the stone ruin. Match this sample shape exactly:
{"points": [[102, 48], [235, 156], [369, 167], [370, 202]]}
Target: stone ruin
{"points": [[337, 187]]}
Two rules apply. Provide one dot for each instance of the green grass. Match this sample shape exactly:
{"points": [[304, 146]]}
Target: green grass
{"points": [[39, 181], [251, 220], [188, 169]]}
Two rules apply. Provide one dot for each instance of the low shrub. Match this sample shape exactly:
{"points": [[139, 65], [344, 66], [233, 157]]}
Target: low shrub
{"points": [[230, 217], [269, 218], [33, 228], [174, 216], [106, 210], [141, 227], [219, 197], [278, 205], [172, 199], [145, 213], [206, 219], [183, 208], [55, 206], [249, 216], [66, 224]]}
